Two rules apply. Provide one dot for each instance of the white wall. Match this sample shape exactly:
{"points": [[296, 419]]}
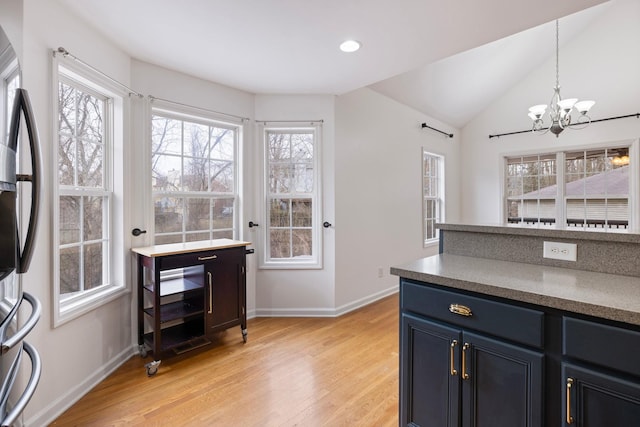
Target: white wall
{"points": [[79, 353], [602, 63], [300, 292], [378, 164]]}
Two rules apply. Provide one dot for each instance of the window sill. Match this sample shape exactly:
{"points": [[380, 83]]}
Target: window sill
{"points": [[69, 310]]}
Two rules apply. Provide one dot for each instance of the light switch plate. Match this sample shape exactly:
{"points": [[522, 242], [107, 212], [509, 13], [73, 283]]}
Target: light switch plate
{"points": [[562, 251]]}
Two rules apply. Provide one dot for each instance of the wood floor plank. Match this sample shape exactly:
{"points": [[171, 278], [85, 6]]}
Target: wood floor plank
{"points": [[292, 372]]}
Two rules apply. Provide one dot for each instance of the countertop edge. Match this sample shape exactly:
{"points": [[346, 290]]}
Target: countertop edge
{"points": [[540, 299], [188, 247], [564, 233]]}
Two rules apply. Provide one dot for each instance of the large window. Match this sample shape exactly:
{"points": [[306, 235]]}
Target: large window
{"points": [[194, 177], [578, 188], [292, 190], [432, 195], [87, 271]]}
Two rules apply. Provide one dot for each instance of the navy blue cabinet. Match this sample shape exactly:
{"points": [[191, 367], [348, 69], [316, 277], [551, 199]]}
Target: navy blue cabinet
{"points": [[594, 398], [472, 360], [429, 381], [600, 373], [452, 375]]}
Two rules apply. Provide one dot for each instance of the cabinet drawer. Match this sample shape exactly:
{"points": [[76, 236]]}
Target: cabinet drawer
{"points": [[608, 346], [517, 324], [183, 260]]}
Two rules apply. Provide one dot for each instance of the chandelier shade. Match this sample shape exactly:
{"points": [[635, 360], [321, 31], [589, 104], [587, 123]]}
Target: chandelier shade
{"points": [[559, 109]]}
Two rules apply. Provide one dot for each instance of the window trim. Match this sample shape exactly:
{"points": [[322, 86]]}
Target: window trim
{"points": [[561, 199], [440, 198], [9, 70], [208, 118], [316, 260], [117, 106]]}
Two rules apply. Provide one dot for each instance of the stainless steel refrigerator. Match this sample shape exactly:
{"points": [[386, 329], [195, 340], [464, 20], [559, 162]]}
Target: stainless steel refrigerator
{"points": [[16, 246]]}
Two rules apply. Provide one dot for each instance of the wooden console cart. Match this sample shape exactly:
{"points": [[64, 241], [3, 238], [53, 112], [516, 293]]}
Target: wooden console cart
{"points": [[189, 291]]}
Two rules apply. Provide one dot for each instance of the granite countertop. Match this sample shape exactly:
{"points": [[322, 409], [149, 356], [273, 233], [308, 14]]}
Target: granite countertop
{"points": [[188, 247], [607, 296]]}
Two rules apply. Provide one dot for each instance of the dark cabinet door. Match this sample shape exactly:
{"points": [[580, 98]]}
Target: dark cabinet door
{"points": [[429, 374], [595, 399], [225, 291], [501, 384]]}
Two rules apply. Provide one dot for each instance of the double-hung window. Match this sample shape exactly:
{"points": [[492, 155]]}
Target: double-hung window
{"points": [[432, 195], [194, 176], [89, 267], [291, 197]]}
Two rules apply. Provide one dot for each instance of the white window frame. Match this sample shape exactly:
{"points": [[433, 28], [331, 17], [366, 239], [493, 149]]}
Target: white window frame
{"points": [[438, 198], [561, 199], [208, 118], [114, 285], [9, 71], [315, 260]]}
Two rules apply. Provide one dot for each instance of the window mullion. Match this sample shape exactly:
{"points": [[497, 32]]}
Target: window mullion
{"points": [[561, 199]]}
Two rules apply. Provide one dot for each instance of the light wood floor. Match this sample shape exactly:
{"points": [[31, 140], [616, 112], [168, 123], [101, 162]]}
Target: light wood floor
{"points": [[291, 372]]}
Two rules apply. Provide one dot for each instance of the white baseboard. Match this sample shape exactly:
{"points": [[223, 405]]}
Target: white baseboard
{"points": [[324, 312], [57, 406]]}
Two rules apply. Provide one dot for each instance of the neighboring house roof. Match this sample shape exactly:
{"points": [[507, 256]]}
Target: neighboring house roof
{"points": [[613, 182]]}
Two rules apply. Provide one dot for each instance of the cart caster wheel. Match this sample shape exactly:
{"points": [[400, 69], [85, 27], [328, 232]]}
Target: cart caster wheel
{"points": [[244, 335], [152, 367], [143, 351]]}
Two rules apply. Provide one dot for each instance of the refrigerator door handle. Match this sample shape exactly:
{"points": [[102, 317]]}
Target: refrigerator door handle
{"points": [[23, 103], [36, 309], [30, 389]]}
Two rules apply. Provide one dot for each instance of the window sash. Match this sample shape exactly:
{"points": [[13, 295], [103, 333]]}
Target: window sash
{"points": [[432, 196], [221, 215], [292, 233]]}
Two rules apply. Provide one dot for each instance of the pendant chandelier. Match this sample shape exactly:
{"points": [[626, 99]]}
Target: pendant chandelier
{"points": [[560, 109]]}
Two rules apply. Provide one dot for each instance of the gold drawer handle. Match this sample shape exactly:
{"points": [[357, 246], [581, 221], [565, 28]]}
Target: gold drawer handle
{"points": [[461, 310]]}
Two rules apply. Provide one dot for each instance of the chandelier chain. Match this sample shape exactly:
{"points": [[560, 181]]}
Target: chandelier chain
{"points": [[557, 53]]}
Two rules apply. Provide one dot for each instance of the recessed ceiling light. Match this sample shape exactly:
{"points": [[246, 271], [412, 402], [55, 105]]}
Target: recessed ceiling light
{"points": [[350, 46]]}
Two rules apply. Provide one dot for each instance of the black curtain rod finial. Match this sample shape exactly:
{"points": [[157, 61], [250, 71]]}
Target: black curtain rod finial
{"points": [[424, 125]]}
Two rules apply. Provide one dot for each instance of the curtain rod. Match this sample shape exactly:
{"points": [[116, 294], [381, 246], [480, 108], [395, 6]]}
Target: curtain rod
{"points": [[153, 98], [264, 122], [424, 125], [637, 115], [65, 53]]}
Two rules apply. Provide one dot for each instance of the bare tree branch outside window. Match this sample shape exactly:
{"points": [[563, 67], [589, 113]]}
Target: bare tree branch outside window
{"points": [[290, 156], [84, 197], [193, 169]]}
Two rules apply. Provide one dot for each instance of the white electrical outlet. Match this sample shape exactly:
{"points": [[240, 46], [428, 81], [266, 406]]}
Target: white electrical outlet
{"points": [[562, 251], [380, 272]]}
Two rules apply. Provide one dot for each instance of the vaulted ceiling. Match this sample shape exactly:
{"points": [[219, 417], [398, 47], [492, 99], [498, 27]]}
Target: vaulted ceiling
{"points": [[448, 59]]}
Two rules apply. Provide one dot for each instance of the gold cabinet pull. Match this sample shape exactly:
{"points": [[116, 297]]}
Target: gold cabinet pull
{"points": [[461, 310], [569, 385], [210, 292], [465, 347], [206, 258], [453, 371]]}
